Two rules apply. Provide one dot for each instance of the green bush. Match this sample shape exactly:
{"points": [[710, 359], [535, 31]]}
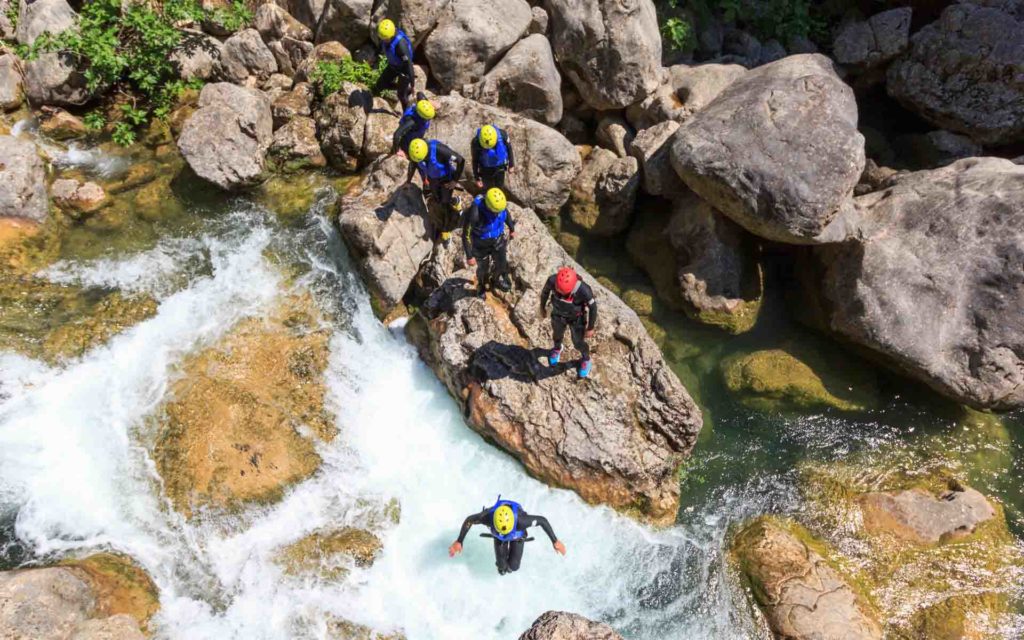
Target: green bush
{"points": [[678, 33], [328, 76], [128, 49], [781, 20]]}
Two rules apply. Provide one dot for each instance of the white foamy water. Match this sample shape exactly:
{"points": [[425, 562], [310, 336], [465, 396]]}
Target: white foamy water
{"points": [[75, 463]]}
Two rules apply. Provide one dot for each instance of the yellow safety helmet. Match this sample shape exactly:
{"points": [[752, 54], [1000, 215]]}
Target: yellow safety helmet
{"points": [[488, 137], [504, 518], [425, 109], [386, 29], [418, 149], [495, 199]]}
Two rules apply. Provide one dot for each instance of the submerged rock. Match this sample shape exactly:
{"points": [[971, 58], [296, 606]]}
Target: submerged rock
{"points": [[242, 421], [801, 592], [963, 72], [934, 282], [920, 516], [609, 49], [617, 439], [76, 198], [225, 140], [546, 163], [560, 625], [777, 151], [58, 124], [330, 554], [102, 596], [775, 379], [22, 180]]}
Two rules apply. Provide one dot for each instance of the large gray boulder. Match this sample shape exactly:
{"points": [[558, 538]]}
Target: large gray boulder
{"points": [[803, 595], [245, 54], [12, 88], [870, 43], [54, 79], [696, 86], [777, 151], [347, 21], [964, 73], [617, 440], [559, 625], [604, 192], [416, 17], [471, 35], [546, 162], [226, 139], [383, 222], [197, 56], [700, 262], [36, 17], [525, 81], [934, 282], [610, 49], [22, 180]]}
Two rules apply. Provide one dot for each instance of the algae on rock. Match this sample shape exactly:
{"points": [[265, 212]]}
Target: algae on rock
{"points": [[244, 418], [120, 585], [330, 554]]}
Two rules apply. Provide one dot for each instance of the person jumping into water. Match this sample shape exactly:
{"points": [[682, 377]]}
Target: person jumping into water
{"points": [[508, 524]]}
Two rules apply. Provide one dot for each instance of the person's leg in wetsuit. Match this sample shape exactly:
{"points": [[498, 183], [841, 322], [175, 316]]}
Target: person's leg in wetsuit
{"points": [[515, 555], [502, 553], [404, 90], [483, 255], [499, 270], [558, 326], [579, 338], [492, 177]]}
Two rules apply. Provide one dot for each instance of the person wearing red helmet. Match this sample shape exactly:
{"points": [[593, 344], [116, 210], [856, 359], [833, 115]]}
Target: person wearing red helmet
{"points": [[573, 306]]}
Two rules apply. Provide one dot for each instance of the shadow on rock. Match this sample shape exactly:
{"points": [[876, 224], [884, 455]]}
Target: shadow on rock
{"points": [[494, 361]]}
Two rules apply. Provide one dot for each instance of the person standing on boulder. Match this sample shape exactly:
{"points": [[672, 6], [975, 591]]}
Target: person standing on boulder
{"points": [[400, 75], [492, 157], [573, 307], [508, 523], [414, 123], [483, 238], [440, 168]]}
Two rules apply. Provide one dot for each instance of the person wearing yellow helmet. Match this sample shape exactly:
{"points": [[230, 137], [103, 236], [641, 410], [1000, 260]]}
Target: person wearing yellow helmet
{"points": [[414, 123], [483, 229], [492, 157], [440, 168], [508, 524], [400, 74]]}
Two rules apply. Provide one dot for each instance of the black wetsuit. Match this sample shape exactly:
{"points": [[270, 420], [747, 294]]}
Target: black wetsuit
{"points": [[492, 176], [401, 78], [491, 254], [508, 555], [442, 191], [578, 312]]}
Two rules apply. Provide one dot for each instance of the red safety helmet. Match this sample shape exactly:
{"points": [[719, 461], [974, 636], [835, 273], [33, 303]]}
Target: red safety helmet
{"points": [[565, 281]]}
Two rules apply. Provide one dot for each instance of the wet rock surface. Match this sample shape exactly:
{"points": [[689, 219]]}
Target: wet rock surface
{"points": [[22, 180], [234, 431], [560, 625], [920, 516], [616, 439], [801, 593], [777, 151], [933, 283]]}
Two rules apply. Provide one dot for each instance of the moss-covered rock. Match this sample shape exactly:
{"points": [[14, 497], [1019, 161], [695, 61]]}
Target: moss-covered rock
{"points": [[640, 301], [779, 380], [570, 242], [244, 418], [799, 586], [120, 586], [27, 246], [51, 321], [947, 588], [330, 554], [338, 629]]}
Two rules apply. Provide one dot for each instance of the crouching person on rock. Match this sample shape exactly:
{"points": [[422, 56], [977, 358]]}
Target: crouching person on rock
{"points": [[573, 306], [440, 168], [492, 157], [483, 229], [508, 523], [414, 123]]}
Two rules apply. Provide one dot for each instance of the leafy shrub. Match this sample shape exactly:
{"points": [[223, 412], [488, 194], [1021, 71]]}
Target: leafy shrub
{"points": [[328, 76], [778, 19], [678, 33], [128, 49]]}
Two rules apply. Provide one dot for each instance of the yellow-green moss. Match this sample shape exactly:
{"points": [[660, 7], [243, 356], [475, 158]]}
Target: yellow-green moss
{"points": [[639, 301], [120, 586], [570, 242], [329, 553], [777, 380], [740, 320], [338, 629]]}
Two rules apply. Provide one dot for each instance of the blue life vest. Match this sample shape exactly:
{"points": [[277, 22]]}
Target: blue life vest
{"points": [[490, 225], [431, 168], [496, 157], [515, 534], [421, 125], [391, 49]]}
